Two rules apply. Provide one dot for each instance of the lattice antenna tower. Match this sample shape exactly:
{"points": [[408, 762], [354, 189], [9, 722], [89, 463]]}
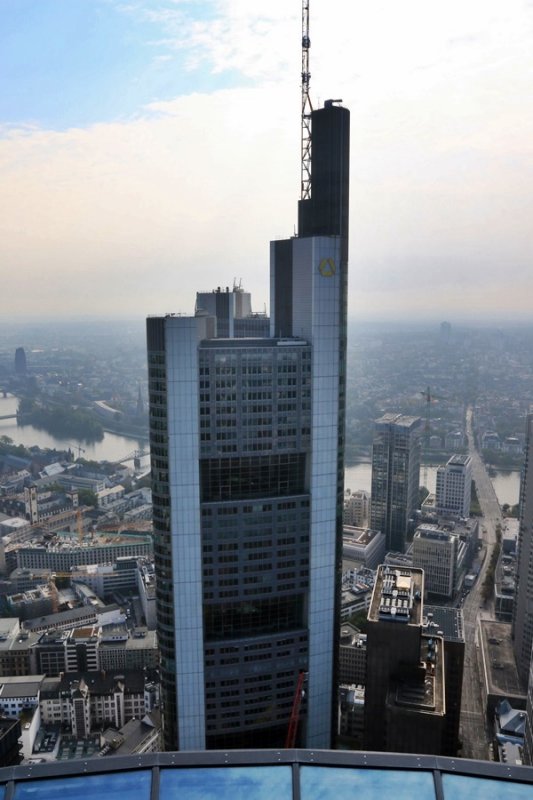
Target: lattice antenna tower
{"points": [[307, 107]]}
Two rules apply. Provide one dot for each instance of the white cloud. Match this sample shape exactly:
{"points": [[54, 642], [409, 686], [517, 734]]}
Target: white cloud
{"points": [[134, 216]]}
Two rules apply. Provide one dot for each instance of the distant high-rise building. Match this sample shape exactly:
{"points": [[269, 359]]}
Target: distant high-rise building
{"points": [[20, 361], [454, 485], [523, 607], [395, 476], [445, 331], [247, 446], [139, 410]]}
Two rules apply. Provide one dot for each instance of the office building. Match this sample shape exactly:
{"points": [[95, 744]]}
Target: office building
{"points": [[10, 733], [356, 506], [64, 555], [352, 655], [363, 546], [523, 606], [247, 440], [395, 477], [454, 484], [405, 705], [435, 551], [448, 622]]}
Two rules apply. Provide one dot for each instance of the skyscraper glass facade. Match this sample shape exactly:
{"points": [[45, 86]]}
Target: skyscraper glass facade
{"points": [[247, 470]]}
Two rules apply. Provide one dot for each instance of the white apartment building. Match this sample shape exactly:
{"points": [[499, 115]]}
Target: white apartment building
{"points": [[435, 551], [454, 482]]}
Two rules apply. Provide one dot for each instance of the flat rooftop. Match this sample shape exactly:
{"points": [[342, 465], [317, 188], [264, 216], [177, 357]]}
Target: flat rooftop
{"points": [[359, 536], [498, 658], [399, 420], [446, 621], [432, 533], [20, 686], [397, 595], [458, 460]]}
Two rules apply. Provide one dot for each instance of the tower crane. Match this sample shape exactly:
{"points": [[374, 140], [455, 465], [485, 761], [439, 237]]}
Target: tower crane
{"points": [[78, 448], [292, 730]]}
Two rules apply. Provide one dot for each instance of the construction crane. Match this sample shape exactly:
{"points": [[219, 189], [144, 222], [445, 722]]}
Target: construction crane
{"points": [[79, 524], [292, 730], [54, 594], [429, 398], [307, 107], [78, 448]]}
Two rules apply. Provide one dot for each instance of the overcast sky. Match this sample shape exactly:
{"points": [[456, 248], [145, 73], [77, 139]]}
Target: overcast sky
{"points": [[150, 148]]}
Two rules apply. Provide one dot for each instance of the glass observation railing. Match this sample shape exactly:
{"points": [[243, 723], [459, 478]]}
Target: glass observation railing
{"points": [[261, 774]]}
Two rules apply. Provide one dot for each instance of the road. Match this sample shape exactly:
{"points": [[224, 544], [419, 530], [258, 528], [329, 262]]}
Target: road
{"points": [[474, 733]]}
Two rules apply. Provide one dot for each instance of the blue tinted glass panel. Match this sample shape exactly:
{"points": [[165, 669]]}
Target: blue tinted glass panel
{"points": [[226, 783], [2, 792], [111, 786], [461, 787], [323, 783]]}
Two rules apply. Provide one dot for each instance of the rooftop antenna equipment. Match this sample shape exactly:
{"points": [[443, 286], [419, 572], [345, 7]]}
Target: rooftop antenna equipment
{"points": [[307, 107]]}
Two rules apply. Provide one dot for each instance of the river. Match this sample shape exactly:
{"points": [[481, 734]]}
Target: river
{"points": [[114, 447], [506, 483]]}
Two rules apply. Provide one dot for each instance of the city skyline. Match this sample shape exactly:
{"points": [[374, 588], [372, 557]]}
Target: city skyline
{"points": [[130, 129]]}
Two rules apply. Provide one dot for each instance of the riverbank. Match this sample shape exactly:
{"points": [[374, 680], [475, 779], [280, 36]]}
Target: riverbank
{"points": [[128, 431]]}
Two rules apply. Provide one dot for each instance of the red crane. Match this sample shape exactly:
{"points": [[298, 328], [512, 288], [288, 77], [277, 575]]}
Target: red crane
{"points": [[292, 730]]}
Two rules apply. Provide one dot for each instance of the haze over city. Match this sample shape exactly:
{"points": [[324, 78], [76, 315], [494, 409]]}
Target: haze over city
{"points": [[149, 149]]}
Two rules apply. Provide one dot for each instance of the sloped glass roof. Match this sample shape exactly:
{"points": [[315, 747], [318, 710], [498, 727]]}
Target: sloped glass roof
{"points": [[267, 774]]}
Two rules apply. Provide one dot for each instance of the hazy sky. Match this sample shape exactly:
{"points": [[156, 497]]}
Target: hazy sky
{"points": [[150, 148]]}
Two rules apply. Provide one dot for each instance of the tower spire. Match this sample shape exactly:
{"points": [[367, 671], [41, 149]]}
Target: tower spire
{"points": [[307, 107]]}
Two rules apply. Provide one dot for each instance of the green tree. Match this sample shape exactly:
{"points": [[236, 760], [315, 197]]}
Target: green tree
{"points": [[87, 497]]}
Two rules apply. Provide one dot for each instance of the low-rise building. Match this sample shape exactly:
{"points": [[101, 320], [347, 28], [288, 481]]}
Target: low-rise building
{"points": [[357, 585], [84, 701], [351, 715], [352, 655], [16, 649], [120, 649], [10, 733], [76, 618], [18, 694], [62, 554], [135, 737], [363, 545]]}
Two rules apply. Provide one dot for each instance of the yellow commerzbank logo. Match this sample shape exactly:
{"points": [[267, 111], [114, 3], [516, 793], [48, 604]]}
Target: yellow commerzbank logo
{"points": [[327, 268]]}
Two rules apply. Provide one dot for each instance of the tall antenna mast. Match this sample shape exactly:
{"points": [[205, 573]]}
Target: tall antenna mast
{"points": [[306, 106]]}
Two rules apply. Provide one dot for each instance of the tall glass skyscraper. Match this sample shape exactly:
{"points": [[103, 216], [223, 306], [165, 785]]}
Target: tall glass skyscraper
{"points": [[247, 444], [522, 630], [395, 476]]}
